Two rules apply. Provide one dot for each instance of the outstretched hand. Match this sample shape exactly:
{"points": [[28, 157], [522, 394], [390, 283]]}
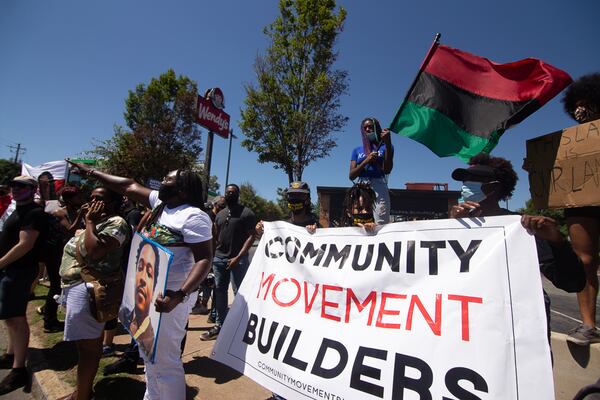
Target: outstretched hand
{"points": [[81, 168]]}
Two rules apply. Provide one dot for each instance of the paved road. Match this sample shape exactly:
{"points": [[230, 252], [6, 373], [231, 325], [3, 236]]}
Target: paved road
{"points": [[564, 309]]}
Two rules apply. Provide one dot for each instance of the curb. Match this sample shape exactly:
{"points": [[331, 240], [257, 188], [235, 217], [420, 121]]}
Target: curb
{"points": [[46, 383]]}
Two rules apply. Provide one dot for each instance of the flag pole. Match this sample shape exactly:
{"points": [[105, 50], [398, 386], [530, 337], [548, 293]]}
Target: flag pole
{"points": [[434, 45]]}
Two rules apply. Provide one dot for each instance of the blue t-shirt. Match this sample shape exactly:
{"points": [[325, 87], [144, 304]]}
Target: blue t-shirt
{"points": [[370, 170]]}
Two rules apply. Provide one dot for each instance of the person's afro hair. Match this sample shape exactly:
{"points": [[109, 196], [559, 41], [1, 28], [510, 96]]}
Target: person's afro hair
{"points": [[585, 89]]}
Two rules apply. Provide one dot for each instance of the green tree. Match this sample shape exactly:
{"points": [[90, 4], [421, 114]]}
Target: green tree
{"points": [[162, 134], [8, 170], [558, 214], [263, 209], [291, 114]]}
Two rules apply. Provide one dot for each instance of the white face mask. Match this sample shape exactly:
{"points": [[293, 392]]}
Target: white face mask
{"points": [[471, 191]]}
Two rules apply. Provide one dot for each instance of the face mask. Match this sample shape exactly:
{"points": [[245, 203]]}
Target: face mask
{"points": [[362, 218], [471, 191], [166, 192], [373, 137], [296, 206], [231, 197]]}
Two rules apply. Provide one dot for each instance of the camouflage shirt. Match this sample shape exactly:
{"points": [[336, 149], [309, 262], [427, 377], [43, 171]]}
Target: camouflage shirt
{"points": [[70, 268]]}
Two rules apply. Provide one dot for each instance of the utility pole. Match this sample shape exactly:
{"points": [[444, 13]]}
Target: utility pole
{"points": [[208, 161], [17, 151], [231, 137]]}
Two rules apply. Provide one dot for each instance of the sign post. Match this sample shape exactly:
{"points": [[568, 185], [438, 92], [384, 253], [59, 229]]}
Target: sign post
{"points": [[210, 115]]}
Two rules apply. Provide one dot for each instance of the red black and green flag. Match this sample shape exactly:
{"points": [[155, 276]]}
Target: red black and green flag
{"points": [[461, 104]]}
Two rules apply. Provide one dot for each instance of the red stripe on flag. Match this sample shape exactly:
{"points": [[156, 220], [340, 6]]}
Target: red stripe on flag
{"points": [[517, 81]]}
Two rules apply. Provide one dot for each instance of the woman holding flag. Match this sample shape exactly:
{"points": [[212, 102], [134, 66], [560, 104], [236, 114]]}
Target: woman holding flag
{"points": [[371, 162]]}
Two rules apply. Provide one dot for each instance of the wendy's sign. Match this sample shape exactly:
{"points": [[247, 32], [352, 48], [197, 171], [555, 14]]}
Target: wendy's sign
{"points": [[210, 112]]}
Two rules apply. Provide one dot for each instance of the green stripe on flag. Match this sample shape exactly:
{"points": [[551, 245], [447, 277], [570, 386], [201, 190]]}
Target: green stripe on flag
{"points": [[440, 134]]}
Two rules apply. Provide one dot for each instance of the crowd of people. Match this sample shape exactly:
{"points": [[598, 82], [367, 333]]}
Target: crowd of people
{"points": [[83, 240]]}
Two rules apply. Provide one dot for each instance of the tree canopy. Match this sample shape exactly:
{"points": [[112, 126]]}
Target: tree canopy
{"points": [[263, 209], [162, 134], [291, 113]]}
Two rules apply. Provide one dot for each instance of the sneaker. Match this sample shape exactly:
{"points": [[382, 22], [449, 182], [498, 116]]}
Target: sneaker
{"points": [[40, 310], [120, 366], [200, 309], [210, 319], [54, 326], [211, 334], [108, 350], [6, 361], [583, 335], [16, 378]]}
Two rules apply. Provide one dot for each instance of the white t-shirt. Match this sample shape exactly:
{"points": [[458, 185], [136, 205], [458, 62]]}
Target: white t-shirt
{"points": [[194, 225]]}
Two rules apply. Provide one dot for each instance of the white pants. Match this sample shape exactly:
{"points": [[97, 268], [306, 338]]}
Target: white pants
{"points": [[381, 211], [165, 379]]}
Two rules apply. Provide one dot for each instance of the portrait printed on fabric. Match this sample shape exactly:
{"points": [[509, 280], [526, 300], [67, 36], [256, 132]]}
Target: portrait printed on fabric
{"points": [[147, 271]]}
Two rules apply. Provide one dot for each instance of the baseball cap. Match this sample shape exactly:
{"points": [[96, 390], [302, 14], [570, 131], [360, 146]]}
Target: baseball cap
{"points": [[475, 173], [24, 180], [298, 187]]}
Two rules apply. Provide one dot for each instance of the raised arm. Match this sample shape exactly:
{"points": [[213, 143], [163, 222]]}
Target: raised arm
{"points": [[125, 186]]}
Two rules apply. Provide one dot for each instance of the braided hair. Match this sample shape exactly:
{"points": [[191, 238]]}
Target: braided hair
{"points": [[352, 197]]}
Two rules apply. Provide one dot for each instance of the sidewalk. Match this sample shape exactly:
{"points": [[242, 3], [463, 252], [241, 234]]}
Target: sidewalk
{"points": [[54, 364]]}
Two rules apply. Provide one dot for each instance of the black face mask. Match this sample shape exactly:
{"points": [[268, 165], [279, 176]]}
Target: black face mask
{"points": [[167, 192], [231, 198], [362, 218], [296, 206]]}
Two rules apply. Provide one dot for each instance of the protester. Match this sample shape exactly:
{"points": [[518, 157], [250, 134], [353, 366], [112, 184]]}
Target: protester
{"points": [[133, 216], [177, 222], [490, 180], [24, 229], [300, 206], [358, 205], [64, 221], [7, 205], [235, 235], [371, 162], [582, 103], [207, 287], [5, 199], [95, 251]]}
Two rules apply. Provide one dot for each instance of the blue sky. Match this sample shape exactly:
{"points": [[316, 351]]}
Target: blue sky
{"points": [[66, 67]]}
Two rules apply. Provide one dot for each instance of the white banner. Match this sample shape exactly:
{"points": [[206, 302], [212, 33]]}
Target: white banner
{"points": [[441, 309], [147, 271], [58, 169]]}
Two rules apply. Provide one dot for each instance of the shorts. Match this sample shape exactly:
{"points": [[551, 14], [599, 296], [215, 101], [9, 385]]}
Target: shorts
{"points": [[15, 287], [588, 212], [79, 322]]}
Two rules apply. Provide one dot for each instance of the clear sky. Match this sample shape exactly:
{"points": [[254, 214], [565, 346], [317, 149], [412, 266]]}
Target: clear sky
{"points": [[66, 68]]}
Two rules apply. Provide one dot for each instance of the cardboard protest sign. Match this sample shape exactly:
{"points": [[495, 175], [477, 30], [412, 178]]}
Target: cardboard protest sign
{"points": [[147, 272], [425, 309], [564, 167]]}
